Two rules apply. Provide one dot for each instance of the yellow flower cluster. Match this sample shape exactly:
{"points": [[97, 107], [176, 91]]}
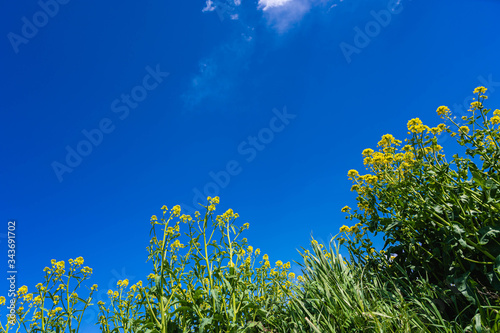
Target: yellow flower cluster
{"points": [[22, 291], [443, 111], [58, 266], [78, 261], [226, 217], [495, 120], [387, 141], [464, 130], [475, 106], [123, 283], [176, 210], [345, 209], [415, 125], [176, 244], [480, 90]]}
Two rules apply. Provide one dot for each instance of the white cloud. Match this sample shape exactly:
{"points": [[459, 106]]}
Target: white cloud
{"points": [[266, 4], [209, 7], [284, 14], [224, 8]]}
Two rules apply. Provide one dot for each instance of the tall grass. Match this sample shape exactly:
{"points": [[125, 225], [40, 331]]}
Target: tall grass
{"points": [[338, 296]]}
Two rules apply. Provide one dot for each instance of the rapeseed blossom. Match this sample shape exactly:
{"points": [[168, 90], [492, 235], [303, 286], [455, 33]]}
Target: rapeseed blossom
{"points": [[480, 90], [443, 111], [345, 209], [464, 129]]}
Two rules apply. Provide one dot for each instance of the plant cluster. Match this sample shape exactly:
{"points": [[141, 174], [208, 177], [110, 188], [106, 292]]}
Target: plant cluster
{"points": [[440, 219]]}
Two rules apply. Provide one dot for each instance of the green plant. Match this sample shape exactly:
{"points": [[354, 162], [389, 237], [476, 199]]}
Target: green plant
{"points": [[439, 218], [213, 283], [54, 306], [340, 296]]}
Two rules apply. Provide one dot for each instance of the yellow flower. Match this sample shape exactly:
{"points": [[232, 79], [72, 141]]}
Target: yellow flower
{"points": [[257, 252], [279, 263], [94, 287], [176, 244], [371, 179], [79, 261], [496, 112], [388, 140], [367, 152], [352, 173], [291, 275], [265, 257], [164, 207], [185, 218], [480, 90], [346, 209], [100, 303], [250, 249], [22, 291], [151, 276], [38, 300], [86, 270], [287, 265], [246, 225], [344, 228], [2, 300], [475, 105], [464, 129], [495, 120], [154, 218], [415, 126], [443, 111], [176, 210]]}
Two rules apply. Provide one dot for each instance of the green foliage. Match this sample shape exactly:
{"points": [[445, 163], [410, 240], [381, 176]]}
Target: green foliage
{"points": [[338, 296], [440, 218], [215, 283], [54, 306]]}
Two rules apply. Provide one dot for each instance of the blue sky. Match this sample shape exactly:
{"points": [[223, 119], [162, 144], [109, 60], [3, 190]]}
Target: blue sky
{"points": [[284, 93]]}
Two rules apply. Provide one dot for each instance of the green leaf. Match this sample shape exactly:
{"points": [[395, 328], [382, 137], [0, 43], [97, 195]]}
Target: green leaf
{"points": [[477, 323], [488, 233]]}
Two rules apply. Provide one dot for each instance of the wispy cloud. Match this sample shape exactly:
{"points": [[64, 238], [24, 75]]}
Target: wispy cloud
{"points": [[209, 6], [284, 14], [223, 7], [219, 73], [266, 4]]}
